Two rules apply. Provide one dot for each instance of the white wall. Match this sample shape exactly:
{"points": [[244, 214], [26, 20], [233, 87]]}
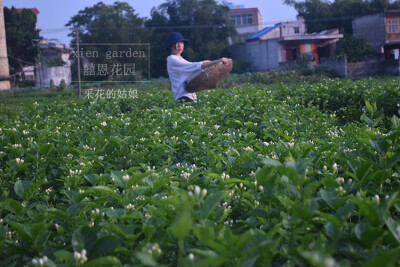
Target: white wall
{"points": [[52, 73]]}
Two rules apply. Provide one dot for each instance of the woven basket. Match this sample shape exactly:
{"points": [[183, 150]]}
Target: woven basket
{"points": [[208, 77]]}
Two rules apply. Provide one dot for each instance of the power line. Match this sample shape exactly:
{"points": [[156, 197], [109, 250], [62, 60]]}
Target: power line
{"points": [[58, 30], [18, 59]]}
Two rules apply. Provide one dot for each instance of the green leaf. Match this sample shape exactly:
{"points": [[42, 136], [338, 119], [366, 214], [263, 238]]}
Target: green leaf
{"points": [[317, 258], [250, 260], [369, 211], [41, 240], [376, 144], [118, 177], [45, 149], [364, 170], [395, 122], [91, 178], [19, 187], [263, 174], [104, 261], [210, 203], [37, 229], [331, 231], [183, 221], [74, 209], [369, 107], [300, 166], [394, 228], [205, 253], [271, 162], [204, 233], [250, 137], [84, 238], [146, 259], [105, 245], [258, 213], [65, 256], [104, 190], [23, 230], [387, 258], [30, 190], [13, 205], [329, 197]]}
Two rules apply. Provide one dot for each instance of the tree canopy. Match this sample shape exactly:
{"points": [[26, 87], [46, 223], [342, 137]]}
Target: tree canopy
{"points": [[20, 35], [323, 14], [112, 25], [101, 23], [355, 48]]}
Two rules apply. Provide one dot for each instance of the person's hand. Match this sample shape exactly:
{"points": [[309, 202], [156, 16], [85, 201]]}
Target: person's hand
{"points": [[224, 60]]}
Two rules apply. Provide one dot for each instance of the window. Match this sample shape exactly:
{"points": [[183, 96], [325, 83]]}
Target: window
{"points": [[236, 20], [296, 30], [393, 26], [247, 19], [240, 20]]}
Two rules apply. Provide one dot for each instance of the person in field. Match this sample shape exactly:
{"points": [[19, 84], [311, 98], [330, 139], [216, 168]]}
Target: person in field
{"points": [[179, 69]]}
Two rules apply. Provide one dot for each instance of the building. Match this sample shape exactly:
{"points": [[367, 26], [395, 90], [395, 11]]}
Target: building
{"points": [[49, 52], [280, 45], [282, 29], [246, 21], [29, 73], [382, 30]]}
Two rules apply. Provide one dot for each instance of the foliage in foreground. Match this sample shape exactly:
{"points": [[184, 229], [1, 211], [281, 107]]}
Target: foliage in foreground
{"points": [[247, 176]]}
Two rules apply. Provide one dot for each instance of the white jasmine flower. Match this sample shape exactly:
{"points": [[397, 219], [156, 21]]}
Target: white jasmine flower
{"points": [[197, 190], [191, 256]]}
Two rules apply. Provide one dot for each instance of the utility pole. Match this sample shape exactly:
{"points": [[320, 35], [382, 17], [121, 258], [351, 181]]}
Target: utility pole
{"points": [[4, 70], [79, 61]]}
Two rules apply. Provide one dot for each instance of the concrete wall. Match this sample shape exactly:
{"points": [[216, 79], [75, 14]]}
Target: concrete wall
{"points": [[373, 67], [248, 29], [287, 28], [45, 74], [372, 27], [263, 55], [266, 55], [338, 65], [364, 68]]}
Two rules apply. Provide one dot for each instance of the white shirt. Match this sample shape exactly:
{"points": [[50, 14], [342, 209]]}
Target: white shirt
{"points": [[179, 69]]}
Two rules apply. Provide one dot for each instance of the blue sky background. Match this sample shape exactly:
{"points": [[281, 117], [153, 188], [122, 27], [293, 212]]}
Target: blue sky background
{"points": [[54, 14]]}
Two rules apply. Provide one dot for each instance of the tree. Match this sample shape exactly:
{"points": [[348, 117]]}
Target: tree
{"points": [[204, 22], [323, 14], [109, 24], [56, 61], [20, 34], [355, 48]]}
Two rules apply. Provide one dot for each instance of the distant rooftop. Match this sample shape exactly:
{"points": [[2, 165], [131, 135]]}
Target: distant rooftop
{"points": [[236, 6], [34, 10], [261, 32]]}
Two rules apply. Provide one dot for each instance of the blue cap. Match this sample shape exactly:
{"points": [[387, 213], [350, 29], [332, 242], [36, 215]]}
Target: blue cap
{"points": [[174, 37]]}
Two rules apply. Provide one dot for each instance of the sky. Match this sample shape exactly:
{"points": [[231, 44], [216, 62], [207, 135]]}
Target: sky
{"points": [[54, 14]]}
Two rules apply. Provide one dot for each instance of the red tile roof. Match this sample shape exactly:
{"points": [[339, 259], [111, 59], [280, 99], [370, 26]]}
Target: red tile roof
{"points": [[34, 10]]}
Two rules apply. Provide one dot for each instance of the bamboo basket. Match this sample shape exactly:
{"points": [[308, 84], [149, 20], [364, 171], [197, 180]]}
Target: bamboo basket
{"points": [[208, 77]]}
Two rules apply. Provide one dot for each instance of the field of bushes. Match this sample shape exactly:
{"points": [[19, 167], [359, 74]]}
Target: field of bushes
{"points": [[264, 172]]}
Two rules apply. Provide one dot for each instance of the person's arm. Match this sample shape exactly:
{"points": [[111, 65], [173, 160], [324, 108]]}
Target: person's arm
{"points": [[208, 63]]}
